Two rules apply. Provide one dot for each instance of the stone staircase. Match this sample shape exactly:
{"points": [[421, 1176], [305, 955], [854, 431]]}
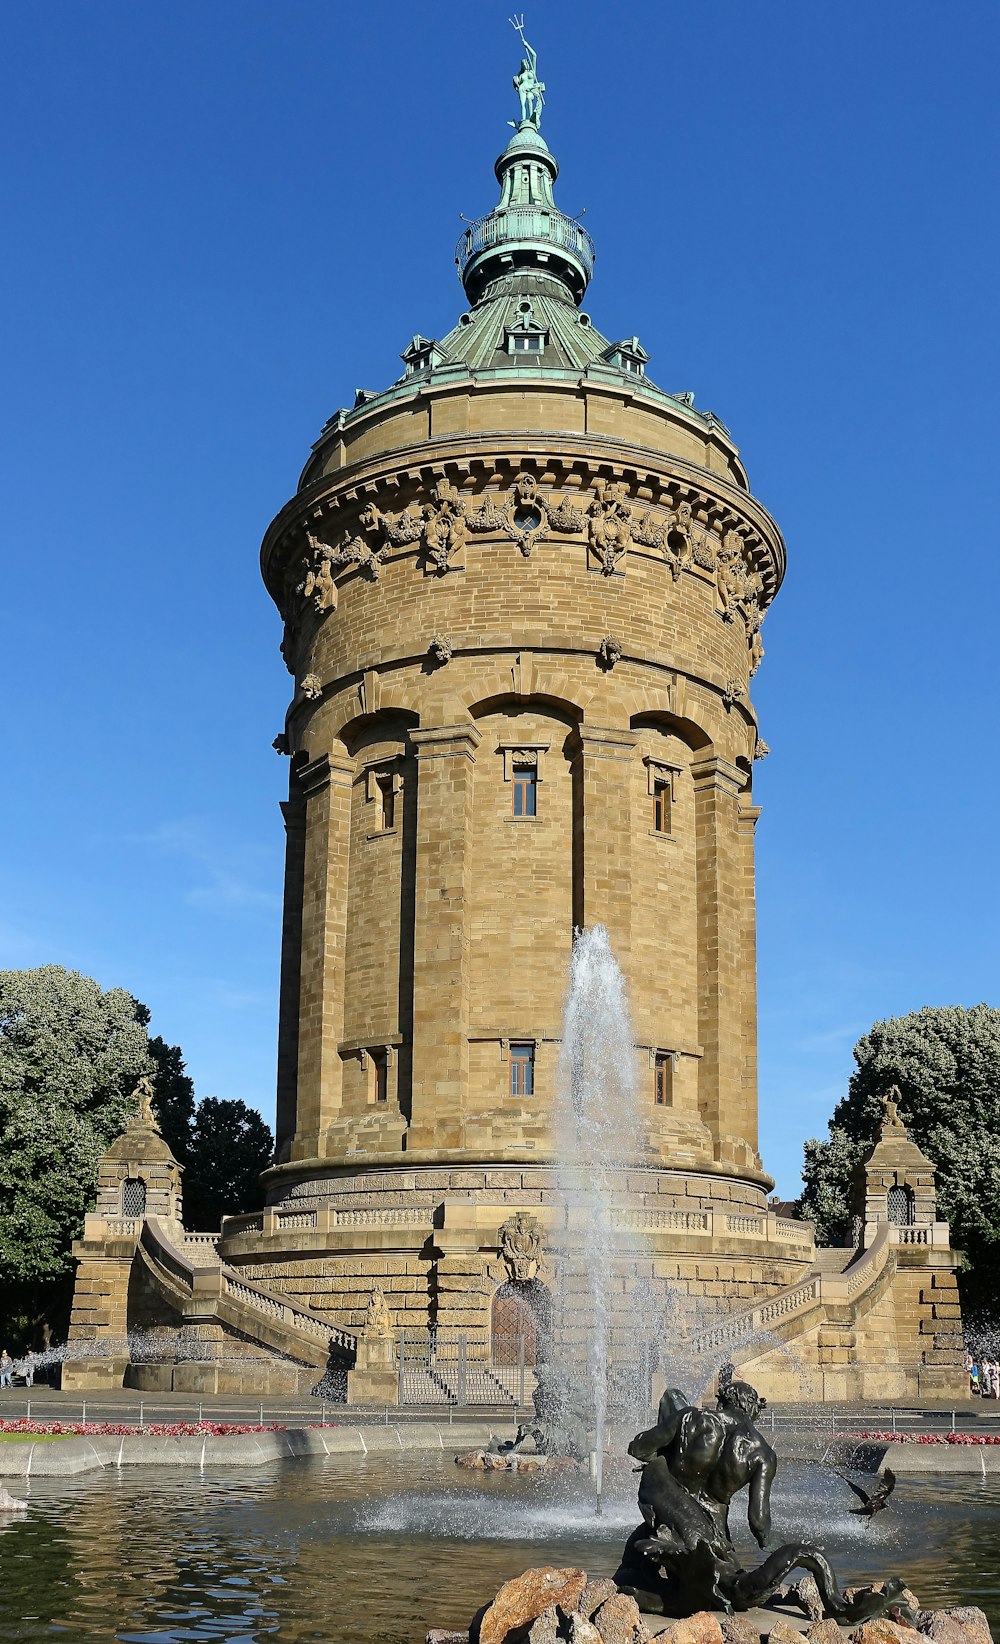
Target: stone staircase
{"points": [[187, 1270]]}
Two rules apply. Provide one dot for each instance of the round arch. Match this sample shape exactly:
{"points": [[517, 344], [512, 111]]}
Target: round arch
{"points": [[521, 1322]]}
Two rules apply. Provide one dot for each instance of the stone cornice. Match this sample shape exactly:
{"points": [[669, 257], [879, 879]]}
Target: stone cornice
{"points": [[652, 477]]}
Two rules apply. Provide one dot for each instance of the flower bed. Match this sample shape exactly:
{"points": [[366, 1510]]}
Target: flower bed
{"points": [[156, 1429], [926, 1438]]}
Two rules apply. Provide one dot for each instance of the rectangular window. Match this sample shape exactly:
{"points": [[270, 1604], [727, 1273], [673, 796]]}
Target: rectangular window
{"points": [[661, 806], [531, 342], [663, 1085], [380, 1066], [522, 1070], [385, 802], [524, 781]]}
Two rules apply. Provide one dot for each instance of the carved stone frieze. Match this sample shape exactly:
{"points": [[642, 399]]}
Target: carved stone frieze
{"points": [[520, 1244], [444, 527], [524, 515], [610, 526], [681, 530]]}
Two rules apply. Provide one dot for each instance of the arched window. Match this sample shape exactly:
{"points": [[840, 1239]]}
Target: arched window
{"points": [[521, 1314], [133, 1196], [899, 1206]]}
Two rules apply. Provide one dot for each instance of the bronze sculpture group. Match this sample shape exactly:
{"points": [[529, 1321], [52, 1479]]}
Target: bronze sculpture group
{"points": [[681, 1559]]}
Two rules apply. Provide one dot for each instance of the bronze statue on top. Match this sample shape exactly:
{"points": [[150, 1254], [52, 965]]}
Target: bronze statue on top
{"points": [[681, 1559]]}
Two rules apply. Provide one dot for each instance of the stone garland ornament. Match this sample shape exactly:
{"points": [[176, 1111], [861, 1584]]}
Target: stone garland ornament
{"points": [[525, 517]]}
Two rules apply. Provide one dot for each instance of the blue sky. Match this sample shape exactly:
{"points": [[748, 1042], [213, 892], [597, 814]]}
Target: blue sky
{"points": [[224, 218]]}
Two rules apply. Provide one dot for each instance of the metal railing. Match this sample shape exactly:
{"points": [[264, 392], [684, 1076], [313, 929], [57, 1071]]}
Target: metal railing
{"points": [[462, 1372]]}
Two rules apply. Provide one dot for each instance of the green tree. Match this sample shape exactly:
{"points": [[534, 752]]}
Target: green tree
{"points": [[230, 1146], [946, 1062]]}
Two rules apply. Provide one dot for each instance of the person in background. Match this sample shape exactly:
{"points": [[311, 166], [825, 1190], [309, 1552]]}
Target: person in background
{"points": [[28, 1368], [6, 1368], [972, 1370], [986, 1379]]}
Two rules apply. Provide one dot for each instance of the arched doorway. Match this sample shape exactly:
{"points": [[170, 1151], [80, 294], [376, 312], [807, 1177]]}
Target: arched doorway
{"points": [[521, 1323]]}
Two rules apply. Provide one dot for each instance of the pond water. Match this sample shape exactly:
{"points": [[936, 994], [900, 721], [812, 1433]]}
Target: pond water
{"points": [[380, 1549]]}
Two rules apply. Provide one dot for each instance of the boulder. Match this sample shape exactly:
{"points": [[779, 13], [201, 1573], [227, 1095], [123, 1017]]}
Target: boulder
{"points": [[782, 1632], [824, 1632], [581, 1631], [595, 1593], [618, 1621], [701, 1628], [964, 1625], [805, 1594], [881, 1631], [522, 1600], [472, 1458], [545, 1627], [11, 1504], [737, 1629]]}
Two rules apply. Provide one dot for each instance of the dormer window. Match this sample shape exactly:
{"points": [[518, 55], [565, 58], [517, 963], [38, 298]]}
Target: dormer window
{"points": [[628, 355], [524, 335], [420, 354]]}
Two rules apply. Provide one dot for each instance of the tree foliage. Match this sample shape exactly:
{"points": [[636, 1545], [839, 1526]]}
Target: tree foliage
{"points": [[230, 1146], [71, 1053], [946, 1062]]}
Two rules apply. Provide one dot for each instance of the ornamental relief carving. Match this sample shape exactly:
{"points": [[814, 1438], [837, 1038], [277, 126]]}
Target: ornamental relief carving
{"points": [[610, 521]]}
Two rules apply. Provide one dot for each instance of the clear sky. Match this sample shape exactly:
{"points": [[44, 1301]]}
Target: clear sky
{"points": [[222, 219]]}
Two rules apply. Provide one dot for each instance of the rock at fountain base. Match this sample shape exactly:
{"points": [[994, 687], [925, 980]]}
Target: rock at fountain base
{"points": [[518, 1461], [553, 1606]]}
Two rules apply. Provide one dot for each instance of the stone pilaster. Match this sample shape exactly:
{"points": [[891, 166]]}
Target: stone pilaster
{"points": [[603, 835], [326, 787], [294, 813], [748, 818], [446, 758], [721, 982]]}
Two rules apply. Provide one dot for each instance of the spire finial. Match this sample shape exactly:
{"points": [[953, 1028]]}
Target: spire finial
{"points": [[529, 88]]}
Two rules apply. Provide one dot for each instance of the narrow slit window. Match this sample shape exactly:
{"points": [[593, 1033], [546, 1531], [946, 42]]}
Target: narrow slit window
{"points": [[522, 1070], [385, 799], [661, 805], [663, 1079], [380, 1064], [525, 790]]}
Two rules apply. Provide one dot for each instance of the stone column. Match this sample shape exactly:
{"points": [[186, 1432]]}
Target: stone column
{"points": [[294, 813], [603, 835], [748, 816], [446, 758], [721, 981], [326, 787]]}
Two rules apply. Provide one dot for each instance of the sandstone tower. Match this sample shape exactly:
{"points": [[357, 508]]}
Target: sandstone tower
{"points": [[523, 590]]}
